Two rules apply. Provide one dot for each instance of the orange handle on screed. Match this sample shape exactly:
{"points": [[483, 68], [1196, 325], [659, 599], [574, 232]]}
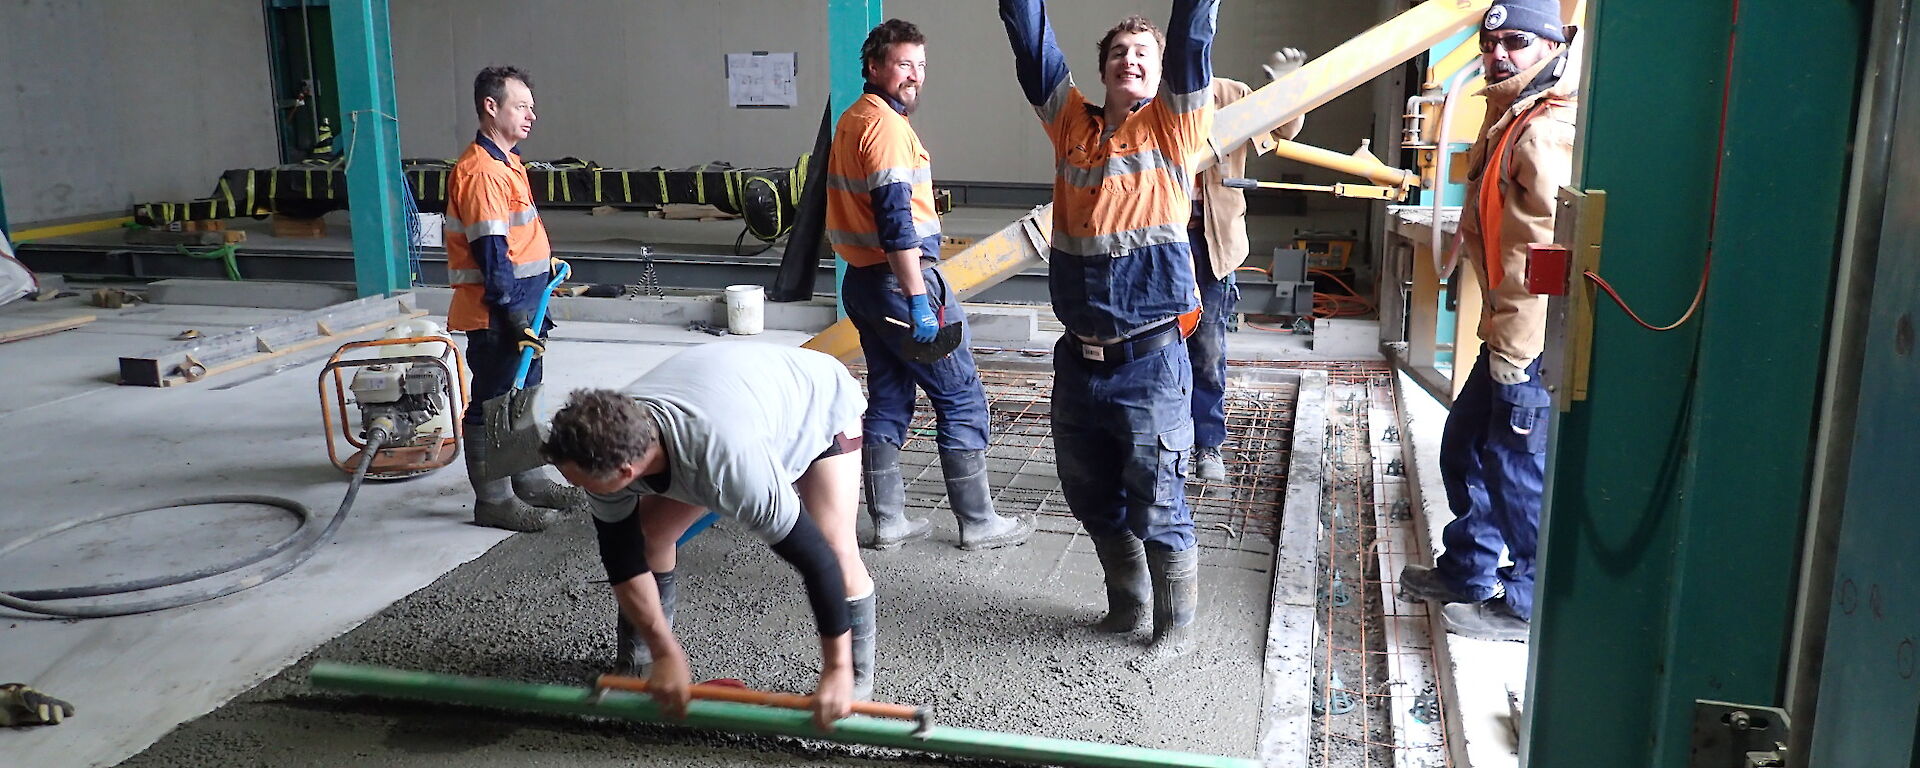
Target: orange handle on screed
{"points": [[767, 698]]}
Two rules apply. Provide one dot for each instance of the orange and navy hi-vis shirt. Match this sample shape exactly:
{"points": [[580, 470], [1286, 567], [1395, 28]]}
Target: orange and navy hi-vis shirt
{"points": [[879, 185], [498, 256], [1120, 258]]}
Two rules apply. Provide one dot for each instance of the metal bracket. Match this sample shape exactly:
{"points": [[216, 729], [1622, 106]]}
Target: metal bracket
{"points": [[1727, 735], [1578, 223]]}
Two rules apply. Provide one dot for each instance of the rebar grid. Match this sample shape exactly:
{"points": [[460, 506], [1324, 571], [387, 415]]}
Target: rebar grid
{"points": [[1240, 512], [1368, 634]]}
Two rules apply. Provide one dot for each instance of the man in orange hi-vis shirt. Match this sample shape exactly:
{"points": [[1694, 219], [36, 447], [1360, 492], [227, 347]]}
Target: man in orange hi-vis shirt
{"points": [[1121, 275], [499, 263], [881, 221]]}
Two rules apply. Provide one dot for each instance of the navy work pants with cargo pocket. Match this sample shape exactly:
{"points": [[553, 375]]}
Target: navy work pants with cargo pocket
{"points": [[1121, 432], [952, 383], [1493, 460]]}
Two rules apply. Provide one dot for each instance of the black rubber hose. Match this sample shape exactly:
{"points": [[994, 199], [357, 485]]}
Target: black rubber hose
{"points": [[306, 547]]}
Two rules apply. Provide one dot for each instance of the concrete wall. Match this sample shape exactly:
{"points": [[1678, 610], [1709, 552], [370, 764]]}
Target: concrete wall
{"points": [[978, 127], [624, 82], [104, 104], [642, 83]]}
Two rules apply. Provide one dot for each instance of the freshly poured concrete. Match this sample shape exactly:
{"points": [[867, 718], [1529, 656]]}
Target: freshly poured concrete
{"points": [[992, 640], [78, 444]]}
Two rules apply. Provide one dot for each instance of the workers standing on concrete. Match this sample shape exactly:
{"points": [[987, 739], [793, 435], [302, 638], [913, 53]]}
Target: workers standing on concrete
{"points": [[1493, 451], [881, 221], [765, 435], [499, 263], [1217, 231], [1121, 277]]}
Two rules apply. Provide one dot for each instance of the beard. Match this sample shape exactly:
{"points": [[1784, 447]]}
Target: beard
{"points": [[909, 103], [1501, 71]]}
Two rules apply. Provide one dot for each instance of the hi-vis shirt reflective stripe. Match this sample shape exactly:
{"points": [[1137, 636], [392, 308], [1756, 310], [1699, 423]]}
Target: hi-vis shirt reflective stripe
{"points": [[879, 185], [489, 196], [1129, 190]]}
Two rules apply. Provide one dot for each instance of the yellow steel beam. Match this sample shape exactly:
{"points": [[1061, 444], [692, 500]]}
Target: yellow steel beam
{"points": [[1348, 66], [997, 257], [75, 228]]}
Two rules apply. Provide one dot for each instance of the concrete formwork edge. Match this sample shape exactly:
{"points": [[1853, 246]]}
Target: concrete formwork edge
{"points": [[1289, 664]]}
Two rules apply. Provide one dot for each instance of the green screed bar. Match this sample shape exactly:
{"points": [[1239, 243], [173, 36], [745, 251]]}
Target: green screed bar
{"points": [[751, 718]]}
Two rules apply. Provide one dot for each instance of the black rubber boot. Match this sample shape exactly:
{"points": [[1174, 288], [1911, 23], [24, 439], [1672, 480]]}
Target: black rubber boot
{"points": [[971, 497], [887, 497], [631, 655], [1176, 597], [1123, 560], [861, 613], [494, 504]]}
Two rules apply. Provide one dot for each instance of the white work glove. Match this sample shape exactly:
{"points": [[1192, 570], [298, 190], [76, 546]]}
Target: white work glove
{"points": [[1505, 372], [1284, 61]]}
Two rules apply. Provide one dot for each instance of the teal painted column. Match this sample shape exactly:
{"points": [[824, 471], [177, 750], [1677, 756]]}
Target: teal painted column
{"points": [[848, 22], [6, 230], [1679, 488], [370, 137]]}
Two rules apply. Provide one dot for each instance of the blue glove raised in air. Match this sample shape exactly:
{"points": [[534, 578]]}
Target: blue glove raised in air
{"points": [[925, 324]]}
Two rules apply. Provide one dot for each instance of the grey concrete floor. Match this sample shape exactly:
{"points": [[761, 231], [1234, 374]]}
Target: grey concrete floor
{"points": [[994, 640]]}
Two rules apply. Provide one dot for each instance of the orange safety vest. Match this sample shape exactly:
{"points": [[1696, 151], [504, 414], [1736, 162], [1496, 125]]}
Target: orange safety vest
{"points": [[873, 146], [1493, 201], [488, 197]]}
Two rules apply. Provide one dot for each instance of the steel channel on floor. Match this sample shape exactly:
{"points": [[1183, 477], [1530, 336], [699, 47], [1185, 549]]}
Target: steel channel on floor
{"points": [[1356, 480]]}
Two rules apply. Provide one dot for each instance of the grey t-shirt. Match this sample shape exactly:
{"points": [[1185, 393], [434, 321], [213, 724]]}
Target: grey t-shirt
{"points": [[741, 422]]}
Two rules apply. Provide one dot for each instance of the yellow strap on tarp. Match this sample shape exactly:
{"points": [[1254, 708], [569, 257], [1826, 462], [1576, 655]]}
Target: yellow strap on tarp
{"points": [[626, 187]]}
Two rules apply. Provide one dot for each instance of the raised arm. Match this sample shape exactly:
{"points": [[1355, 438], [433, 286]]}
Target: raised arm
{"points": [[1189, 60], [1037, 59]]}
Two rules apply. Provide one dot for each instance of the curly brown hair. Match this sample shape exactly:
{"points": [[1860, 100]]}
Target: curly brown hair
{"points": [[1128, 26], [881, 40], [598, 431]]}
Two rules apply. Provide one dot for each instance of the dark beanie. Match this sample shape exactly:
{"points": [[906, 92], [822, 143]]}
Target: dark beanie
{"points": [[1541, 17]]}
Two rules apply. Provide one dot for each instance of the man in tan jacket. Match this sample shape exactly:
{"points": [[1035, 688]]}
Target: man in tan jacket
{"points": [[1493, 452], [1218, 232]]}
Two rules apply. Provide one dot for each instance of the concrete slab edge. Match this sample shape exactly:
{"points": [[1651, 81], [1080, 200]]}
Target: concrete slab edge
{"points": [[1427, 502], [1288, 706]]}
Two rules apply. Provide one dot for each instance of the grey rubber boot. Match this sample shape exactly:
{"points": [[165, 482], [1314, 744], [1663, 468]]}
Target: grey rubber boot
{"points": [[494, 504], [535, 487], [887, 497], [972, 500], [1208, 464], [861, 613], [631, 655], [1176, 597], [1123, 561]]}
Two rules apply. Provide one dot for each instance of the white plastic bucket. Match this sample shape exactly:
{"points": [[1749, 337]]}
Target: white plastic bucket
{"points": [[746, 309]]}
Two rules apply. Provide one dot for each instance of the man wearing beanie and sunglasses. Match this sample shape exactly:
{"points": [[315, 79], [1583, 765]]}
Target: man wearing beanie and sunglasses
{"points": [[1493, 452]]}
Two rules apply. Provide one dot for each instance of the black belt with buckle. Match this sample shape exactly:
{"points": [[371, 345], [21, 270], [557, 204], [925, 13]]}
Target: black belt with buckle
{"points": [[1128, 350]]}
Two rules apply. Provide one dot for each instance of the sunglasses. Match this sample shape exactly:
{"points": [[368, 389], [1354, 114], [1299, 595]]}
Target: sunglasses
{"points": [[1513, 42]]}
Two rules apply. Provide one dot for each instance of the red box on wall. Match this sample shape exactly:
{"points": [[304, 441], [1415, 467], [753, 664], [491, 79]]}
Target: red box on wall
{"points": [[1547, 267]]}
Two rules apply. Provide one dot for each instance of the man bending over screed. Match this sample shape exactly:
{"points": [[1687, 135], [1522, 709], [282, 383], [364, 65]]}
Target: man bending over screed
{"points": [[757, 433]]}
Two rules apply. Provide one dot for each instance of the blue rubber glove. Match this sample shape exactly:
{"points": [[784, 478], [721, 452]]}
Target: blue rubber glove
{"points": [[925, 325]]}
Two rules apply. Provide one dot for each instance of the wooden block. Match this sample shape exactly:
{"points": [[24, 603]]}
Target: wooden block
{"points": [[687, 211], [42, 329], [234, 235], [288, 226]]}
